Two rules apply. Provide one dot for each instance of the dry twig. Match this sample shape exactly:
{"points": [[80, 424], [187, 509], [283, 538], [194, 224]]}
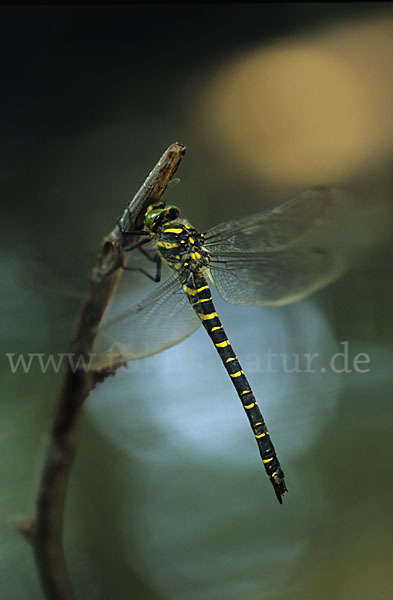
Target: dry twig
{"points": [[45, 531]]}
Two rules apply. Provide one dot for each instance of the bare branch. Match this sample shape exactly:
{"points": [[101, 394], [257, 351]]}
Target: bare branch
{"points": [[45, 532]]}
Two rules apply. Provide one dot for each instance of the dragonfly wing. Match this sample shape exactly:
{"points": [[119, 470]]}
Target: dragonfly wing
{"points": [[164, 318], [277, 228], [285, 254], [274, 279]]}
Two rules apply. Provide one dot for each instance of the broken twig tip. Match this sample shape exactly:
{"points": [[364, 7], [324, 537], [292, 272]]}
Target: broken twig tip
{"points": [[25, 526]]}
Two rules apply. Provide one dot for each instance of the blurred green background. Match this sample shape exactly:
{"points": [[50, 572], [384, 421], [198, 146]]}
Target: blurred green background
{"points": [[167, 499]]}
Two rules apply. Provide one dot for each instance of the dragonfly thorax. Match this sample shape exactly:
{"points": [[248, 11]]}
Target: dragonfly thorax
{"points": [[181, 246]]}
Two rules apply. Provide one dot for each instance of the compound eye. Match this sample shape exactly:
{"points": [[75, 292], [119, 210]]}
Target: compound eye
{"points": [[152, 217], [173, 213]]}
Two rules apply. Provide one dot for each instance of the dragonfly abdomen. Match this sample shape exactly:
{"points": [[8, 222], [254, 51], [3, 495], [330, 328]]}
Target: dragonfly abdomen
{"points": [[199, 295]]}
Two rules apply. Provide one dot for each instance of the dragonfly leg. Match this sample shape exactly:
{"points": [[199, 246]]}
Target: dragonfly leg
{"points": [[156, 259], [152, 258], [121, 225], [137, 244], [124, 232]]}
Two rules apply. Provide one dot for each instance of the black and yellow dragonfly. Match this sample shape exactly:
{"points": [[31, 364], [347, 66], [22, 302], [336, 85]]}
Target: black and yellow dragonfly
{"points": [[272, 258]]}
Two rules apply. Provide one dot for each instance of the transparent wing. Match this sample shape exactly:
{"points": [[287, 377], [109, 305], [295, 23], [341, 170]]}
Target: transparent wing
{"points": [[287, 253], [274, 278], [276, 228], [161, 320]]}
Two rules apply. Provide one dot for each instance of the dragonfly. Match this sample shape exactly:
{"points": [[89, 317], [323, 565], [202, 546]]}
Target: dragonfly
{"points": [[269, 259]]}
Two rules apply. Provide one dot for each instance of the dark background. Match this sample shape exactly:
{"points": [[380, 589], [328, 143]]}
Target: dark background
{"points": [[165, 500]]}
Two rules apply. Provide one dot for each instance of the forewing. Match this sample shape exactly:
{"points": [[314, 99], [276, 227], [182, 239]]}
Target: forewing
{"points": [[274, 278], [287, 253], [274, 229], [161, 320]]}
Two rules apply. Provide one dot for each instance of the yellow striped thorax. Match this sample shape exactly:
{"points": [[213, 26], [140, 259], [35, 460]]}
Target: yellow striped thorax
{"points": [[179, 244]]}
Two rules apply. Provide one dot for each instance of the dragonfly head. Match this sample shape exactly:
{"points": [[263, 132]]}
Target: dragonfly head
{"points": [[156, 215]]}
